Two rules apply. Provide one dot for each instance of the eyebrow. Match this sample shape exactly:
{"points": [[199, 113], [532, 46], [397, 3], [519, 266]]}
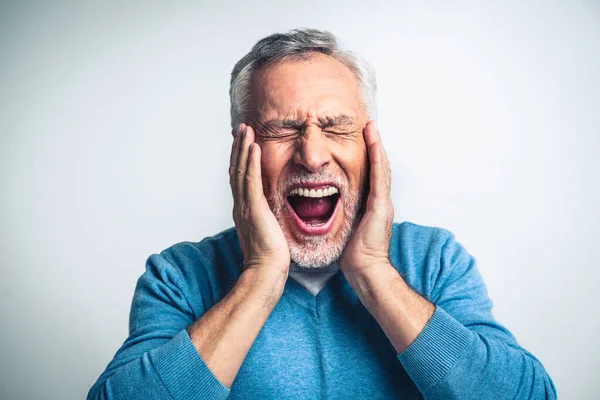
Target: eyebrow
{"points": [[324, 122]]}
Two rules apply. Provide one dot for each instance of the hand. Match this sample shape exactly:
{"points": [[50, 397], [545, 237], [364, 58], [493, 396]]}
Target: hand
{"points": [[369, 244], [261, 238]]}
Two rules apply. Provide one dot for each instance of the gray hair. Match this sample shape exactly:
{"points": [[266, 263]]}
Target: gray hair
{"points": [[298, 43]]}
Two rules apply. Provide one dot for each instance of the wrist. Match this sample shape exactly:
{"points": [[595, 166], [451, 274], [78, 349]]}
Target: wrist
{"points": [[268, 282], [373, 282], [373, 271]]}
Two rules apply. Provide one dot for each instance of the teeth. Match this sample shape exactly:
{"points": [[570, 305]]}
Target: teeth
{"points": [[314, 193]]}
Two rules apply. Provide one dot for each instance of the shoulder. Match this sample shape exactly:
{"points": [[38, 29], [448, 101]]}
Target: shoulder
{"points": [[419, 236], [222, 248], [204, 270], [423, 254], [415, 241]]}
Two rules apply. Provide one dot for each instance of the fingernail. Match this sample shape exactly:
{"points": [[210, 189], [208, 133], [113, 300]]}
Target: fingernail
{"points": [[240, 128]]}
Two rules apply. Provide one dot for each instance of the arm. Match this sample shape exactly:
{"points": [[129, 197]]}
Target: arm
{"points": [[392, 303], [161, 358], [451, 348], [223, 335]]}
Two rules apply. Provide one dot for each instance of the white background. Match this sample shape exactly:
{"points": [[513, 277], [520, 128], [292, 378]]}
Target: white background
{"points": [[114, 125]]}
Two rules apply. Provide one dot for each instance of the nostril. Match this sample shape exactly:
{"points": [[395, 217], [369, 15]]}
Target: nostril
{"points": [[313, 160], [312, 151]]}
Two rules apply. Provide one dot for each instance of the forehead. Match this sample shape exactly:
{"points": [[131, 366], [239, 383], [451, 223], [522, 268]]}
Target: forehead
{"points": [[305, 88]]}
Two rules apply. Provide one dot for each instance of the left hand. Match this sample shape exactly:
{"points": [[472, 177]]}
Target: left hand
{"points": [[369, 243]]}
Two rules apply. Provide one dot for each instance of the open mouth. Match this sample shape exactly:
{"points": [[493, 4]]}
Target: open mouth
{"points": [[313, 207]]}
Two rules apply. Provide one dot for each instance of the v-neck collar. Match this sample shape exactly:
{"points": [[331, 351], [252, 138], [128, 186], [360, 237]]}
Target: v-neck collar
{"points": [[335, 285]]}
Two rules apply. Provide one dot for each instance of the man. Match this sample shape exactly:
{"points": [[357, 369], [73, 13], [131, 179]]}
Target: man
{"points": [[365, 308]]}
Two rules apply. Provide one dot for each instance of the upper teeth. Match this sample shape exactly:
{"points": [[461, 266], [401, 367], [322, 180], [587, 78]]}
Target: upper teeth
{"points": [[314, 193]]}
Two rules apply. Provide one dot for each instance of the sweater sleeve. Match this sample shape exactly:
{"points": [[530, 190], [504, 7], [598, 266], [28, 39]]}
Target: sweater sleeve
{"points": [[158, 359], [463, 353]]}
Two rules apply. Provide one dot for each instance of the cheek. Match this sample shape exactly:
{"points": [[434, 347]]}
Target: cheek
{"points": [[352, 158], [273, 162]]}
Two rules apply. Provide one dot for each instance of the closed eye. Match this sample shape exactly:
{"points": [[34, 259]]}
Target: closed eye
{"points": [[279, 134], [339, 130]]}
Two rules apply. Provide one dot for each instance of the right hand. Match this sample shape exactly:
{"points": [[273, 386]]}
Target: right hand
{"points": [[262, 241]]}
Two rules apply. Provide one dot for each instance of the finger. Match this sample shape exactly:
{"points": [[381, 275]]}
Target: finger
{"points": [[387, 161], [372, 135], [380, 176], [377, 174], [253, 185], [386, 166], [237, 134], [233, 160], [242, 162]]}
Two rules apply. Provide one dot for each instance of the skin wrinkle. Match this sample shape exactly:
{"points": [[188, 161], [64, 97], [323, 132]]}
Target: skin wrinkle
{"points": [[309, 121], [273, 129]]}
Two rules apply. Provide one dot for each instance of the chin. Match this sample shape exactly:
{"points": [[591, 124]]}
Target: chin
{"points": [[317, 213], [318, 252], [319, 242]]}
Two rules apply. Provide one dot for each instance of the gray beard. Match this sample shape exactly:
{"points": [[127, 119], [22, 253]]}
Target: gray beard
{"points": [[320, 251]]}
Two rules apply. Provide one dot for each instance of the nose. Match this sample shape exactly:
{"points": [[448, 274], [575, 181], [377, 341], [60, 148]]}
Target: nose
{"points": [[312, 151]]}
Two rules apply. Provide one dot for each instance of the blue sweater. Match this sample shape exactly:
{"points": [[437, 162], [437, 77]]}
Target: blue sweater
{"points": [[326, 346]]}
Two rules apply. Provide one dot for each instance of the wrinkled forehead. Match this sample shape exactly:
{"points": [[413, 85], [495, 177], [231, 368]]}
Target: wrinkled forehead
{"points": [[309, 88]]}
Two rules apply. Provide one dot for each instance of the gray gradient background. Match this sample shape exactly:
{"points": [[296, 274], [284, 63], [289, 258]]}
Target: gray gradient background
{"points": [[115, 141]]}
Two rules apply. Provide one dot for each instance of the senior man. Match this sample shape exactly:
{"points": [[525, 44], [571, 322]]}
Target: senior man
{"points": [[316, 293]]}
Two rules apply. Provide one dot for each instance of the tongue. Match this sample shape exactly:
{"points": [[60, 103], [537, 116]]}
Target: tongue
{"points": [[307, 208]]}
